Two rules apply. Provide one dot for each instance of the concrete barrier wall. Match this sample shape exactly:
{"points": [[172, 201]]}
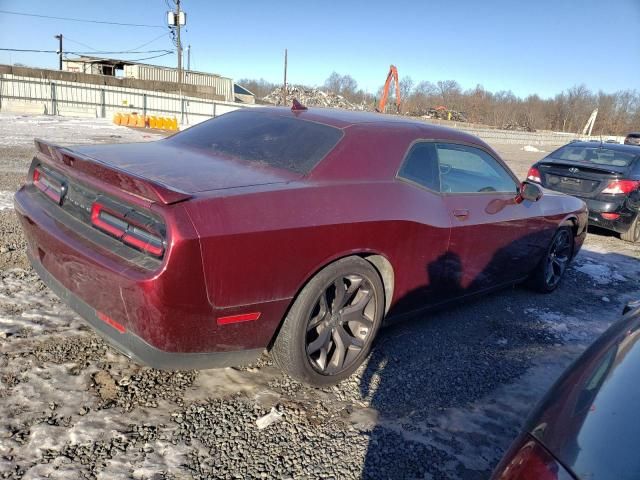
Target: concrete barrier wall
{"points": [[493, 135], [68, 98], [198, 91], [26, 94]]}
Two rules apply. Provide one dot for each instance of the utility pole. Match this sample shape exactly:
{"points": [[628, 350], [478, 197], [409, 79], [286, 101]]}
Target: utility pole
{"points": [[188, 58], [284, 87], [59, 37], [179, 44]]}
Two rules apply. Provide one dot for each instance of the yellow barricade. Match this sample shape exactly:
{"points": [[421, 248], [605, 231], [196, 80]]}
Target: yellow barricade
{"points": [[141, 121]]}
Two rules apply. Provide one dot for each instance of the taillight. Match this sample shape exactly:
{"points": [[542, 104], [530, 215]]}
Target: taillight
{"points": [[534, 175], [122, 228], [617, 187], [48, 184], [530, 462], [610, 216]]}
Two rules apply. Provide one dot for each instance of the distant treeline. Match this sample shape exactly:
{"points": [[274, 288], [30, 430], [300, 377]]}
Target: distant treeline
{"points": [[568, 111]]}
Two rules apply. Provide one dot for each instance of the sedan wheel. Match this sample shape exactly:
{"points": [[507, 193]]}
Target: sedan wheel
{"points": [[633, 234], [330, 327]]}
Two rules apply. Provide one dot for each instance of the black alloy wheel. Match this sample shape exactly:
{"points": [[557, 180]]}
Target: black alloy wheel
{"points": [[558, 258], [546, 277], [340, 323], [332, 323]]}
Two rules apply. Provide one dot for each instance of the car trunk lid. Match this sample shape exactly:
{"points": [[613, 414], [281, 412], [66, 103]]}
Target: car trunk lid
{"points": [[181, 168], [582, 180]]}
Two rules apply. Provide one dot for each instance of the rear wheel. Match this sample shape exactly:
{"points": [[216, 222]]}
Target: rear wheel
{"points": [[331, 325], [547, 275], [633, 234]]}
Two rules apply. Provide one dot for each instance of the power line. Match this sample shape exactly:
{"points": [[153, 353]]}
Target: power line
{"points": [[168, 52], [80, 43], [27, 50], [164, 51], [127, 52], [84, 20], [151, 41], [132, 50], [149, 58]]}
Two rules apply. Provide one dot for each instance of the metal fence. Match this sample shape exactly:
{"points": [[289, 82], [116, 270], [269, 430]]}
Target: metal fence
{"points": [[58, 97]]}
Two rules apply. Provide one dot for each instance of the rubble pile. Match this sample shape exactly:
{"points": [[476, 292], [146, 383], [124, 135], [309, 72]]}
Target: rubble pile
{"points": [[441, 113], [312, 97], [518, 127]]}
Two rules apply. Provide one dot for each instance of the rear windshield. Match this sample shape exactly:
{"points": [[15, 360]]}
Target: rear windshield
{"points": [[596, 154], [264, 138]]}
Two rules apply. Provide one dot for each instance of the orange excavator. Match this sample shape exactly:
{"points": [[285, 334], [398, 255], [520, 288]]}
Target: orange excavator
{"points": [[392, 75]]}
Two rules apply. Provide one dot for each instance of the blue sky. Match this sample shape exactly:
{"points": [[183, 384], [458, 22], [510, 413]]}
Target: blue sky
{"points": [[528, 47]]}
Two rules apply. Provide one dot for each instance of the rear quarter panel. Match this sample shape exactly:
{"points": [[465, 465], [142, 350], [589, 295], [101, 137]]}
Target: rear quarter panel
{"points": [[264, 246]]}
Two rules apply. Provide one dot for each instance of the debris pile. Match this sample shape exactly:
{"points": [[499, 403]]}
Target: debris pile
{"points": [[443, 113], [518, 127], [312, 97]]}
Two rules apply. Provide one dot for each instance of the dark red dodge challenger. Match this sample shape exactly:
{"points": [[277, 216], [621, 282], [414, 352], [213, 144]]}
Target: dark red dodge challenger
{"points": [[296, 231]]}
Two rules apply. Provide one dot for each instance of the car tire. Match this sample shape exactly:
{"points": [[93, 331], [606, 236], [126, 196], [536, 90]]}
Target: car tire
{"points": [[330, 327], [633, 234], [548, 273]]}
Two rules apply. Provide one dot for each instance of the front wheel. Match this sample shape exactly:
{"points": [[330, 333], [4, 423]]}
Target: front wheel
{"points": [[547, 275], [330, 327], [633, 234]]}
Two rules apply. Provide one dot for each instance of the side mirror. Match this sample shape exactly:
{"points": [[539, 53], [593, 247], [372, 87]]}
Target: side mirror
{"points": [[529, 191]]}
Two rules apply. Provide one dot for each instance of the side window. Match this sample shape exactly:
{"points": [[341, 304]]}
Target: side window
{"points": [[465, 169], [421, 166]]}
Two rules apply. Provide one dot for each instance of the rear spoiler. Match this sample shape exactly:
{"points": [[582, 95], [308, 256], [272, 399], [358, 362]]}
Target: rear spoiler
{"points": [[94, 168], [595, 168]]}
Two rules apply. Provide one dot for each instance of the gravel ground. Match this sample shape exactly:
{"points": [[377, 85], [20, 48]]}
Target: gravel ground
{"points": [[441, 396]]}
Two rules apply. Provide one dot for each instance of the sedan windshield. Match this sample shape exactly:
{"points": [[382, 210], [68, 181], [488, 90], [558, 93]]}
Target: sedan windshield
{"points": [[263, 138], [594, 154]]}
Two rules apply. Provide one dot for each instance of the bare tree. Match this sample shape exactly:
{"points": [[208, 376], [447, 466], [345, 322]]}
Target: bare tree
{"points": [[344, 85], [406, 88], [449, 91], [618, 112], [260, 88]]}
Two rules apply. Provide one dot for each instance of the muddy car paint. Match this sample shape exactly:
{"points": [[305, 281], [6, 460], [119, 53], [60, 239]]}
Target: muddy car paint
{"points": [[248, 245]]}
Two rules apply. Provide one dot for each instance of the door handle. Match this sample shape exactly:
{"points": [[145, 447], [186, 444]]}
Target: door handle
{"points": [[461, 214]]}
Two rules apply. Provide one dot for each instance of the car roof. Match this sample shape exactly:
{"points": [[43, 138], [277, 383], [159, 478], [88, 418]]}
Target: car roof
{"points": [[347, 118], [336, 117]]}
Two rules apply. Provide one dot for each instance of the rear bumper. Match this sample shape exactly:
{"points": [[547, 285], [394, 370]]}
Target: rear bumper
{"points": [[135, 347], [598, 207], [165, 312]]}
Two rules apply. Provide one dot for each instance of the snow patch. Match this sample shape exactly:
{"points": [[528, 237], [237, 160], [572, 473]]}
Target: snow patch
{"points": [[531, 148], [604, 267], [567, 327], [600, 273], [6, 200], [20, 130]]}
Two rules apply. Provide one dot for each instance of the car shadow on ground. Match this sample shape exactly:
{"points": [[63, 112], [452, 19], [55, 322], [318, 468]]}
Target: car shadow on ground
{"points": [[602, 232], [447, 360]]}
